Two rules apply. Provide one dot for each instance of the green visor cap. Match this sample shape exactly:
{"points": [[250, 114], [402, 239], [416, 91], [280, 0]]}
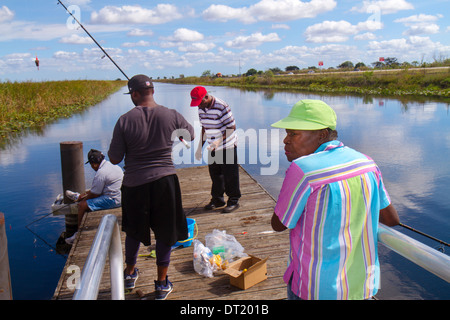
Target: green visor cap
{"points": [[309, 115]]}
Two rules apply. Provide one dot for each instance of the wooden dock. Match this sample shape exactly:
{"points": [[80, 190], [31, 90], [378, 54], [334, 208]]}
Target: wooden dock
{"points": [[250, 224]]}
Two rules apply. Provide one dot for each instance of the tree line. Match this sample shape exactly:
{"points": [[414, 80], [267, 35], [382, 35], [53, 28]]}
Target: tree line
{"points": [[383, 63]]}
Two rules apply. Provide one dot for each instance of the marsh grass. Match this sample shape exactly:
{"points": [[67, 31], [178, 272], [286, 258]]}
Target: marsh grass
{"points": [[427, 83], [26, 106]]}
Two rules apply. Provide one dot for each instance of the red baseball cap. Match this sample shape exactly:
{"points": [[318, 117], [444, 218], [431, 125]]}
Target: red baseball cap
{"points": [[197, 95]]}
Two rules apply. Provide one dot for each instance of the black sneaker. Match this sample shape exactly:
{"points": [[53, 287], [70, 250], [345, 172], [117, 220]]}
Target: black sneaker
{"points": [[231, 208], [212, 206], [162, 289], [130, 279]]}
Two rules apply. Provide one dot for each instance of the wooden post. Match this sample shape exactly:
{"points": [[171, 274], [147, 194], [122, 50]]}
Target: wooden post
{"points": [[72, 166], [5, 277]]}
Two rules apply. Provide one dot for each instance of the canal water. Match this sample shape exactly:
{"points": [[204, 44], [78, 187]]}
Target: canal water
{"points": [[409, 140]]}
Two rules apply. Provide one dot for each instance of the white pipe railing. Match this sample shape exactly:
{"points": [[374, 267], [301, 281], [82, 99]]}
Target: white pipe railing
{"points": [[424, 256], [106, 241]]}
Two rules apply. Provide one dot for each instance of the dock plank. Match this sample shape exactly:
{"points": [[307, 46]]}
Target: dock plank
{"points": [[250, 224]]}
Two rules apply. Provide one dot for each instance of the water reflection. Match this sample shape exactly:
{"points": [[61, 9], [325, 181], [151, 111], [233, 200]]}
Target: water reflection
{"points": [[410, 141]]}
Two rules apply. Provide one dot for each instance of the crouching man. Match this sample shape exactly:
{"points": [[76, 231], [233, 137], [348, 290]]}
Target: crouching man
{"points": [[105, 190]]}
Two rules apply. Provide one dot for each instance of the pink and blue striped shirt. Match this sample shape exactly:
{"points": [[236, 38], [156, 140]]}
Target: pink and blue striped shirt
{"points": [[330, 200]]}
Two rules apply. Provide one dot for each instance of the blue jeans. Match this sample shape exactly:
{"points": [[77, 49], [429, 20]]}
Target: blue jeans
{"points": [[101, 203]]}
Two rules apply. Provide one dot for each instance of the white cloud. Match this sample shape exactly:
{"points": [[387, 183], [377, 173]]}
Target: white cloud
{"points": [[197, 47], [269, 10], [183, 34], [383, 6], [337, 31], [421, 18], [420, 24], [365, 36], [65, 55], [162, 13], [330, 53], [6, 14], [141, 43], [78, 2], [281, 26], [254, 40], [422, 29], [139, 33], [406, 49], [76, 39], [21, 30]]}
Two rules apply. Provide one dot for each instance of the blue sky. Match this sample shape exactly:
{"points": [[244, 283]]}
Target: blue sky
{"points": [[170, 38]]}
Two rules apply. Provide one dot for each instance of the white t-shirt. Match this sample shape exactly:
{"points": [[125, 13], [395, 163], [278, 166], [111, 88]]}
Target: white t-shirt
{"points": [[108, 180]]}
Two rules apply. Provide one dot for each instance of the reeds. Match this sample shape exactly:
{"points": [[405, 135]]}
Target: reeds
{"points": [[401, 83], [32, 105]]}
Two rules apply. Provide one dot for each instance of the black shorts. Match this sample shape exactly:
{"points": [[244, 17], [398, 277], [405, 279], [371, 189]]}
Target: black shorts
{"points": [[155, 205]]}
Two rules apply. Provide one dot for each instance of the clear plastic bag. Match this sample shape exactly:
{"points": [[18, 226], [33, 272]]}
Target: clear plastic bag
{"points": [[202, 260], [225, 245]]}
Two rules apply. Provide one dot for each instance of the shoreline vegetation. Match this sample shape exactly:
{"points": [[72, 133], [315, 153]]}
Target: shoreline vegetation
{"points": [[29, 106], [414, 82]]}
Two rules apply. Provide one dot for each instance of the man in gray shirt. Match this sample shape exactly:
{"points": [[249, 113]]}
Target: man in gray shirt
{"points": [[151, 195]]}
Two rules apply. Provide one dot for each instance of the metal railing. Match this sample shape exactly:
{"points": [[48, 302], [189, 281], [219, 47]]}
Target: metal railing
{"points": [[106, 241], [424, 256]]}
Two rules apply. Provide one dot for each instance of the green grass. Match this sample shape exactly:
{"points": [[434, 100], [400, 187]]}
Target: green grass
{"points": [[427, 82], [31, 105]]}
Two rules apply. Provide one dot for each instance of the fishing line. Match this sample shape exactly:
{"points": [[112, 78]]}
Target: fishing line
{"points": [[38, 236], [424, 234], [106, 54], [47, 215]]}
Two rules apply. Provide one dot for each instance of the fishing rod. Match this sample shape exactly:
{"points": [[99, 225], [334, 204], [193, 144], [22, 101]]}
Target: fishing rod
{"points": [[424, 234], [106, 54], [93, 39]]}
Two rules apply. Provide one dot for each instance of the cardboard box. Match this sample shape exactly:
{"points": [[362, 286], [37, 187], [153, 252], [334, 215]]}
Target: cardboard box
{"points": [[247, 271]]}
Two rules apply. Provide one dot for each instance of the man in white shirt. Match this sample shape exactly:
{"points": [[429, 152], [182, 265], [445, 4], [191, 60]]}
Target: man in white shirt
{"points": [[105, 190]]}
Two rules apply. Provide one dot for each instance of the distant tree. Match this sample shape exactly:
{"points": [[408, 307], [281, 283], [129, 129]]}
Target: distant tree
{"points": [[392, 62], [206, 73], [346, 65], [268, 73], [275, 70], [292, 68], [378, 64], [251, 72], [360, 65]]}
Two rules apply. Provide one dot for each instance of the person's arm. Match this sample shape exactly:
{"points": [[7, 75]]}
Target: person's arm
{"points": [[216, 143], [117, 146], [114, 161], [276, 224], [389, 216], [87, 195], [198, 153]]}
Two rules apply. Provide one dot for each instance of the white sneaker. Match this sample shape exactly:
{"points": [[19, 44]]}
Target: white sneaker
{"points": [[72, 195], [72, 238]]}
